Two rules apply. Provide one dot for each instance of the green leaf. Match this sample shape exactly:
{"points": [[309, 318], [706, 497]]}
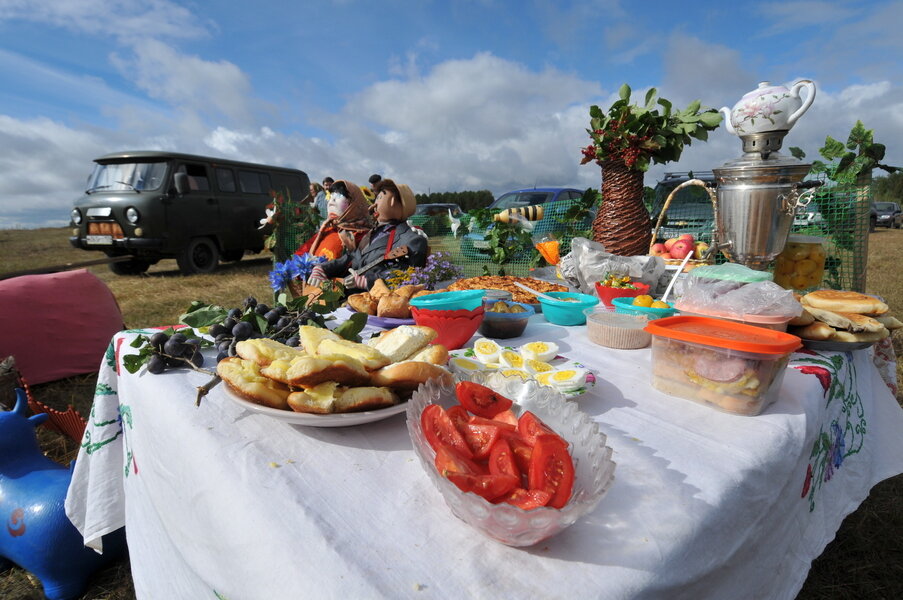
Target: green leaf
{"points": [[624, 93], [711, 119], [832, 150], [694, 106], [797, 152], [874, 151], [650, 98], [133, 362], [859, 136], [845, 162], [666, 104], [595, 112], [204, 316], [352, 327]]}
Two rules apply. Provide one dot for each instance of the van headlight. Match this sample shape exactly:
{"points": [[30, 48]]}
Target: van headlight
{"points": [[132, 214], [76, 216]]}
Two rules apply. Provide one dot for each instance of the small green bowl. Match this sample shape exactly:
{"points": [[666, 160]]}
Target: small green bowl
{"points": [[625, 306], [567, 313]]}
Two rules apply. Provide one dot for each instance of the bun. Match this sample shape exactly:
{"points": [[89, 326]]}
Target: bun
{"points": [[393, 306], [804, 319], [370, 358], [407, 291], [379, 289], [330, 398], [866, 336], [434, 353], [409, 374], [311, 336], [842, 320], [243, 377], [815, 331], [845, 301], [363, 302], [263, 351], [889, 322], [309, 371], [403, 342]]}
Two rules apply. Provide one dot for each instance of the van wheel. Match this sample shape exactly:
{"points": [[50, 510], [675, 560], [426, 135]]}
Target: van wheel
{"points": [[233, 255], [135, 266], [199, 257]]}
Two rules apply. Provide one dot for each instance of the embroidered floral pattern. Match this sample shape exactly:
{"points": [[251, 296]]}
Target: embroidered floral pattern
{"points": [[845, 434]]}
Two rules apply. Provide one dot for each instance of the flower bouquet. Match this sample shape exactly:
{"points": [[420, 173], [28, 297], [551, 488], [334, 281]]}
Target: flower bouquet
{"points": [[439, 268]]}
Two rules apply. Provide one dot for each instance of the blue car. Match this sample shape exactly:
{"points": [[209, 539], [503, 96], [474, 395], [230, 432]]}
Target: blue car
{"points": [[554, 200]]}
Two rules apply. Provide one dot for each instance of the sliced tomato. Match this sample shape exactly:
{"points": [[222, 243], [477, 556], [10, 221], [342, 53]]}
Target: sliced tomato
{"points": [[489, 487], [480, 400], [449, 462], [507, 416], [440, 431], [551, 469], [529, 426], [522, 453], [480, 438], [527, 499], [459, 416], [501, 459], [475, 420]]}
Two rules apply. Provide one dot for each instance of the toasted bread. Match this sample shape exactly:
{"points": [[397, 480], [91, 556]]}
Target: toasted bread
{"points": [[244, 377]]}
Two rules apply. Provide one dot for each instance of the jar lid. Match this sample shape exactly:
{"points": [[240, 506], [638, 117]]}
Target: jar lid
{"points": [[805, 239], [724, 334]]}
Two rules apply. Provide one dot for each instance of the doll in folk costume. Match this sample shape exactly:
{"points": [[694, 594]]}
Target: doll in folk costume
{"points": [[347, 222], [391, 245]]}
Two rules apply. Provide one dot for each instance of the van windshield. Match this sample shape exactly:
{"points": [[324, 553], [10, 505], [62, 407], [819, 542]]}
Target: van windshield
{"points": [[135, 177]]}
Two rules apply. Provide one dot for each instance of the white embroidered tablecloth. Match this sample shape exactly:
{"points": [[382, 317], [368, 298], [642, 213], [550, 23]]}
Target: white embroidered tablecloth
{"points": [[222, 503]]}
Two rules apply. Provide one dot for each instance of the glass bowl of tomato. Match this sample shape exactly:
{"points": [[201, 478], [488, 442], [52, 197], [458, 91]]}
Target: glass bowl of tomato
{"points": [[539, 505]]}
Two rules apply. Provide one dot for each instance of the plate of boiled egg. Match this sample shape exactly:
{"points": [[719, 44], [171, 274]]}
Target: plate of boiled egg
{"points": [[533, 360]]}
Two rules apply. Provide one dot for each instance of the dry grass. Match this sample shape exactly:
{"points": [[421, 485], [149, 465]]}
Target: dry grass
{"points": [[864, 561]]}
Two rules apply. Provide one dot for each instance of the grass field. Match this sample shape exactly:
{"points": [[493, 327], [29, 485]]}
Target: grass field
{"points": [[864, 561]]}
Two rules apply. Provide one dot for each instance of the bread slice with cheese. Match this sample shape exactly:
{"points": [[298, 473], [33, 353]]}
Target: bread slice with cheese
{"points": [[245, 379], [309, 371], [311, 336], [263, 351], [368, 356], [329, 397], [404, 341]]}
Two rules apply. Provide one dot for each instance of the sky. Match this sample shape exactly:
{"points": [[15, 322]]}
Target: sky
{"points": [[441, 95]]}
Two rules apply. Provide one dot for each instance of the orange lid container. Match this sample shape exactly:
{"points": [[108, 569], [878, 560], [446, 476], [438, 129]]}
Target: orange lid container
{"points": [[724, 334]]}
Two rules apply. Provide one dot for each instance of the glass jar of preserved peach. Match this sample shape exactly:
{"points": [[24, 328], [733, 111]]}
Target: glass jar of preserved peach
{"points": [[801, 265]]}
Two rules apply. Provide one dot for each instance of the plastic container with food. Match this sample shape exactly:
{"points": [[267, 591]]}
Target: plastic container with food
{"points": [[608, 293], [801, 265], [567, 307], [734, 367], [627, 306], [503, 320], [768, 322], [616, 330], [456, 300]]}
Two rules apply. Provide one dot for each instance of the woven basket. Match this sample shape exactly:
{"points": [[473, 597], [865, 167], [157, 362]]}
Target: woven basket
{"points": [[692, 263], [622, 221]]}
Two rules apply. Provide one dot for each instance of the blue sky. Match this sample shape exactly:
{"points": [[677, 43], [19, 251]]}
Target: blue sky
{"points": [[468, 94]]}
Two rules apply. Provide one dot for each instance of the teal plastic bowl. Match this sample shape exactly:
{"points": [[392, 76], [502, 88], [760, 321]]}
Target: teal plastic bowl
{"points": [[567, 313], [461, 300], [625, 306]]}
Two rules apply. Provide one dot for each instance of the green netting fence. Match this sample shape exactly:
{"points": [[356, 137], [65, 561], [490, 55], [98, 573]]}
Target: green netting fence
{"points": [[839, 214]]}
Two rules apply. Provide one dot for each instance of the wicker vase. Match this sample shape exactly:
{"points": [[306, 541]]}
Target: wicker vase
{"points": [[622, 222]]}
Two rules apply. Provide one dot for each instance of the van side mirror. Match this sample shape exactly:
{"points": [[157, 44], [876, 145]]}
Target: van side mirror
{"points": [[181, 181]]}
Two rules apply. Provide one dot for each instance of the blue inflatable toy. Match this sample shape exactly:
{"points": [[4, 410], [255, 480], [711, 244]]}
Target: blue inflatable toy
{"points": [[35, 533]]}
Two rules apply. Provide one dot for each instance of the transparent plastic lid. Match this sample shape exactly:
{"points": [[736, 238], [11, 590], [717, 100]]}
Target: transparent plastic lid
{"points": [[730, 272]]}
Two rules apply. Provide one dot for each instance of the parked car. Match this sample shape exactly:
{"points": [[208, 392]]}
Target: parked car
{"points": [[555, 202], [435, 219], [888, 214], [690, 210], [196, 209]]}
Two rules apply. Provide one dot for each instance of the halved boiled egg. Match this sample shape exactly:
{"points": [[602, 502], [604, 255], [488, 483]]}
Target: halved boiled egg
{"points": [[523, 375], [486, 351], [563, 380], [459, 364], [544, 351], [511, 359], [534, 367]]}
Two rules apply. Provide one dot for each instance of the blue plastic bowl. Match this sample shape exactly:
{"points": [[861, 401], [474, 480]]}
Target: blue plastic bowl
{"points": [[625, 306], [460, 300], [567, 313]]}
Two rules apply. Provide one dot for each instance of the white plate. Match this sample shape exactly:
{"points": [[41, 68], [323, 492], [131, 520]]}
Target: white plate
{"points": [[559, 362], [314, 420]]}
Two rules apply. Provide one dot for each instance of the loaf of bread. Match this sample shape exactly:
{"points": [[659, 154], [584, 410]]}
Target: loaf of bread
{"points": [[244, 377], [845, 301]]}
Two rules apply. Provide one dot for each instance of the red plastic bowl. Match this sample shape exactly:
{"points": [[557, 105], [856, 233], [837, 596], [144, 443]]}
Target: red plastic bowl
{"points": [[455, 327], [607, 294]]}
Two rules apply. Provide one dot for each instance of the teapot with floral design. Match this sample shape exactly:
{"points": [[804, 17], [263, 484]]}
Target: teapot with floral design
{"points": [[768, 108]]}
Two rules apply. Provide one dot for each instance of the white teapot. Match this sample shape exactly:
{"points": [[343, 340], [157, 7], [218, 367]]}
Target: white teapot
{"points": [[768, 108]]}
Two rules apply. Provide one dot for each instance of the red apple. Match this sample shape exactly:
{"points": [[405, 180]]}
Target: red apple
{"points": [[666, 255], [669, 243], [681, 248], [657, 249], [688, 237]]}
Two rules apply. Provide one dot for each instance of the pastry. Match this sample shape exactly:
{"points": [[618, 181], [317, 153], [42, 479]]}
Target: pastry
{"points": [[244, 377], [845, 301]]}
